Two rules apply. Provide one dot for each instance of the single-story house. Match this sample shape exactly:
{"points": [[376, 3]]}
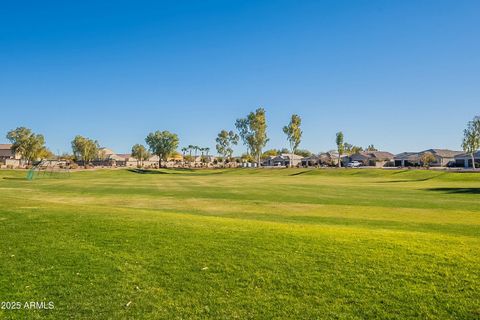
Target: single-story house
{"points": [[105, 153], [268, 161], [106, 157], [6, 152], [325, 158], [443, 157], [465, 160], [8, 157], [283, 160], [373, 158], [407, 159], [311, 161], [332, 156]]}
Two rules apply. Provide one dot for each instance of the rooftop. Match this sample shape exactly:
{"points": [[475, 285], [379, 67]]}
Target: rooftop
{"points": [[446, 153], [5, 146]]}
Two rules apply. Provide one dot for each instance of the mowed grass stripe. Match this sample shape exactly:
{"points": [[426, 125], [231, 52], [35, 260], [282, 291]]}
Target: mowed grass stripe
{"points": [[419, 220]]}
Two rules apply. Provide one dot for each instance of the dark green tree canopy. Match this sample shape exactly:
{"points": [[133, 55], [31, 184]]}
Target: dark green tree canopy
{"points": [[294, 132], [85, 149], [162, 144], [140, 153], [225, 142], [29, 145], [253, 132]]}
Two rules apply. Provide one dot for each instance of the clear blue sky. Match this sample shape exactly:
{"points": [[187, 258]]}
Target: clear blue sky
{"points": [[403, 75]]}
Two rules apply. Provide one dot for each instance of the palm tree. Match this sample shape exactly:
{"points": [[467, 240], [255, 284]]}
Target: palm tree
{"points": [[196, 148], [202, 160], [207, 149], [190, 148], [184, 150]]}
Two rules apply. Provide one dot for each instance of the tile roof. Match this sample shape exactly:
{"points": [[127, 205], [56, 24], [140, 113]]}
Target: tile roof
{"points": [[124, 155], [445, 153], [310, 158], [288, 155], [467, 155], [407, 156], [381, 155]]}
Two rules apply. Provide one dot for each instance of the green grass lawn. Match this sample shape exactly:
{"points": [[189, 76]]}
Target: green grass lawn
{"points": [[246, 244]]}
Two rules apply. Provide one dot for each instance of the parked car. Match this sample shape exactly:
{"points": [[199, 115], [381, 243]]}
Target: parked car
{"points": [[354, 164]]}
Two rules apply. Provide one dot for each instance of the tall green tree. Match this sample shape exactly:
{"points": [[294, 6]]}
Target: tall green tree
{"points": [[340, 147], [294, 134], [85, 149], [243, 131], [162, 144], [371, 148], [471, 138], [258, 127], [253, 129], [140, 153], [225, 142], [29, 145]]}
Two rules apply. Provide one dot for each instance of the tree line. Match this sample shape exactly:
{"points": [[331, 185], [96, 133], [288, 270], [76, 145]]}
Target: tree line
{"points": [[251, 130]]}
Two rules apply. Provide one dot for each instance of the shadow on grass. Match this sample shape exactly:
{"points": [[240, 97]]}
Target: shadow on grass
{"points": [[400, 171], [412, 180], [14, 178], [148, 171], [456, 190], [299, 173], [173, 171]]}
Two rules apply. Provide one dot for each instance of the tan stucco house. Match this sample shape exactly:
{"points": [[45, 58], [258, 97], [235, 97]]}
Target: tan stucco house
{"points": [[373, 158], [443, 158]]}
